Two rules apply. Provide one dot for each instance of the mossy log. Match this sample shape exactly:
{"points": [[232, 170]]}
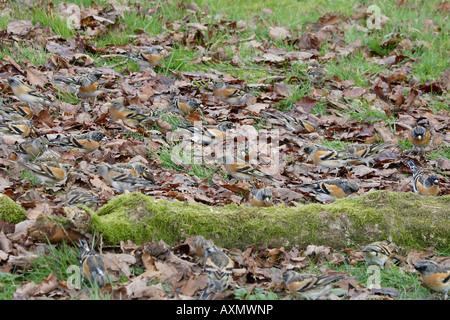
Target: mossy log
{"points": [[11, 211], [406, 219]]}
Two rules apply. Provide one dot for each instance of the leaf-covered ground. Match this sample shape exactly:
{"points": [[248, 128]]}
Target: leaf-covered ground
{"points": [[380, 82]]}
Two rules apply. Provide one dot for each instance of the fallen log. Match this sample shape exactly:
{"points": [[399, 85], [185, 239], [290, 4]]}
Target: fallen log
{"points": [[406, 219]]}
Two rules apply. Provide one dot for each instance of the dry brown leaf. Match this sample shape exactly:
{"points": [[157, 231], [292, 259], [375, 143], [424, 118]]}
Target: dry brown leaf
{"points": [[36, 78], [279, 33], [31, 289], [119, 262], [193, 284], [19, 27], [139, 288], [353, 93]]}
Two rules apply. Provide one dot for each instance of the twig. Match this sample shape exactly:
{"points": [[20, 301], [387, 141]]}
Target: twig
{"points": [[120, 63], [136, 80], [107, 56], [257, 69]]}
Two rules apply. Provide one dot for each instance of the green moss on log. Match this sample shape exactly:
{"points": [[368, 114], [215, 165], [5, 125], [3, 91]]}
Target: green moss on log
{"points": [[407, 219], [11, 211]]}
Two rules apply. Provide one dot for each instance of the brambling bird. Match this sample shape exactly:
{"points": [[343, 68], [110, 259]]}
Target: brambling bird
{"points": [[30, 150], [92, 265], [28, 94], [86, 142], [228, 94], [260, 197], [218, 268], [16, 111], [151, 57], [186, 106], [122, 180], [316, 73], [243, 171], [420, 137], [48, 172], [294, 123], [434, 276], [310, 286], [138, 169], [131, 115], [332, 189], [423, 184], [198, 245], [376, 253], [20, 127], [367, 152], [209, 135], [80, 196], [328, 157], [86, 85]]}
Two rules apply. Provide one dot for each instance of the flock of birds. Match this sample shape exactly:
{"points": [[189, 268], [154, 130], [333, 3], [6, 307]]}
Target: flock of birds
{"points": [[218, 267], [126, 177]]}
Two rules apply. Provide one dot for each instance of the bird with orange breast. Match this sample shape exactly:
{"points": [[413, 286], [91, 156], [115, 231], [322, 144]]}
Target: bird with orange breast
{"points": [[434, 276], [423, 184]]}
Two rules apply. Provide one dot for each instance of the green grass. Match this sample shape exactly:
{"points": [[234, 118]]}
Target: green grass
{"points": [[56, 259], [320, 108], [335, 144], [255, 294], [296, 94], [407, 284], [27, 175], [137, 22], [25, 51], [437, 103], [354, 67], [365, 112], [51, 19], [405, 144], [134, 135], [440, 153], [8, 284], [65, 95], [166, 154], [410, 24], [154, 16]]}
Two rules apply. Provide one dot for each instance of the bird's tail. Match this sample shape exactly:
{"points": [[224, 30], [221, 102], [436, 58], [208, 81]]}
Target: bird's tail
{"points": [[206, 294], [411, 164], [384, 146], [66, 80]]}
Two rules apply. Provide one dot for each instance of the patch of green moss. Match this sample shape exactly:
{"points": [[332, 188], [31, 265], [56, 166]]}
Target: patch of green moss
{"points": [[11, 211], [406, 219]]}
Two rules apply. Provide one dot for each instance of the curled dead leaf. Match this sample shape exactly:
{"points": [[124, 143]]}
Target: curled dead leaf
{"points": [[19, 27], [279, 33]]}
